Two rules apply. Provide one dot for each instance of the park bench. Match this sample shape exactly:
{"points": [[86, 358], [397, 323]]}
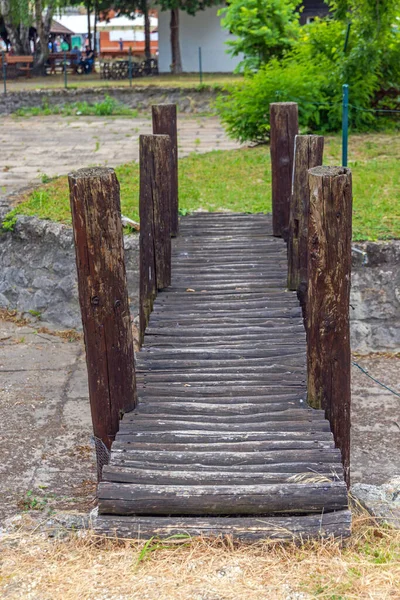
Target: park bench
{"points": [[17, 65]]}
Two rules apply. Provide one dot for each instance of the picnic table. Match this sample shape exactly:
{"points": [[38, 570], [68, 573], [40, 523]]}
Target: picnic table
{"points": [[17, 65]]}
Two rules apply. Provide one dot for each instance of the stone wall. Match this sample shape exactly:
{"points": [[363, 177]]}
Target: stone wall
{"points": [[187, 100], [37, 272]]}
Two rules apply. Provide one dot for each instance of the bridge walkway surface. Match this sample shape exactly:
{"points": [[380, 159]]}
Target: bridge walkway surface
{"points": [[222, 440]]}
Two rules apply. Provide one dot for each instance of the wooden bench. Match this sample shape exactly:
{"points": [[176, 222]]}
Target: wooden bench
{"points": [[19, 63]]}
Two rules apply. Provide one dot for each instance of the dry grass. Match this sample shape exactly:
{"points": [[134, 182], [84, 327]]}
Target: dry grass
{"points": [[86, 567]]}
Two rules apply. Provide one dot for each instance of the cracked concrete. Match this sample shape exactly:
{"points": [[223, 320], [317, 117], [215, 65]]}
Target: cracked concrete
{"points": [[54, 145]]}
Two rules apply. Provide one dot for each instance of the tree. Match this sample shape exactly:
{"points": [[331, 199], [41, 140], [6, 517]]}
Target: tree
{"points": [[264, 29], [17, 19], [189, 6]]}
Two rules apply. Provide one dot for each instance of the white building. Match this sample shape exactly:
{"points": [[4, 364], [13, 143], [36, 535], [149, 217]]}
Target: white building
{"points": [[202, 30]]}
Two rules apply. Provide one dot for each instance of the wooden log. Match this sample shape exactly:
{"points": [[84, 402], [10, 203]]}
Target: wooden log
{"points": [[154, 208], [120, 499], [103, 297], [328, 297], [165, 122], [320, 526], [308, 153], [284, 127]]}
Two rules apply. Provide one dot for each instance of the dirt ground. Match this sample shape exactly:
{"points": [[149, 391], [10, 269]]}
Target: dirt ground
{"points": [[45, 428]]}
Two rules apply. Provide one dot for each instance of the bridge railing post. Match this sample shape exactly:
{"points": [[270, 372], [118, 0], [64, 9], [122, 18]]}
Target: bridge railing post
{"points": [[103, 297], [155, 221], [328, 297], [308, 153], [165, 123], [284, 126]]}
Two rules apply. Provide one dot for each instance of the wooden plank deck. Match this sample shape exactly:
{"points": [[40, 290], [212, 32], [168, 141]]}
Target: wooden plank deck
{"points": [[222, 440]]}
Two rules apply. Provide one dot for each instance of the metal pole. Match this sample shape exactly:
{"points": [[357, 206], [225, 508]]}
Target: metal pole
{"points": [[345, 124], [200, 66], [130, 66], [3, 62], [65, 71]]}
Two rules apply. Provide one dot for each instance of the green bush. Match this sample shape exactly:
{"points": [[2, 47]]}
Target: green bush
{"points": [[312, 73]]}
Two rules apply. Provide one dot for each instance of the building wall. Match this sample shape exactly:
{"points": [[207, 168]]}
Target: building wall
{"points": [[204, 29]]}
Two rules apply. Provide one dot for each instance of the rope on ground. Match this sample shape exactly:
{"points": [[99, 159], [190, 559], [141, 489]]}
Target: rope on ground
{"points": [[375, 380]]}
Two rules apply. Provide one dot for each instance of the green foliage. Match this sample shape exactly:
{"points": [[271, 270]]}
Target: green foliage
{"points": [[9, 222], [245, 111], [312, 74], [263, 29], [316, 66]]}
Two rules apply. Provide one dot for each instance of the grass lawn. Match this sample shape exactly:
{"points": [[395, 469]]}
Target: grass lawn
{"points": [[185, 80], [240, 180]]}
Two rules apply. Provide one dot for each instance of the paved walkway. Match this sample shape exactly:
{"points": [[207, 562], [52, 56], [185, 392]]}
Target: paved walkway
{"points": [[54, 145]]}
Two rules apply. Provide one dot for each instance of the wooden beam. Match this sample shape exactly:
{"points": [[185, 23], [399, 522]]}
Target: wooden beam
{"points": [[284, 127], [154, 209], [165, 122], [103, 296], [329, 268], [308, 153]]}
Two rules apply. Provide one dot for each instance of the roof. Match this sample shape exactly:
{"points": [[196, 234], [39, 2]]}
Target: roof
{"points": [[59, 29]]}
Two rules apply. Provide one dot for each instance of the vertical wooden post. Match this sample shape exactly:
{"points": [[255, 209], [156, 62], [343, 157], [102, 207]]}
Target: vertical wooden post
{"points": [[155, 221], [284, 125], [329, 269], [308, 153], [103, 297], [164, 122]]}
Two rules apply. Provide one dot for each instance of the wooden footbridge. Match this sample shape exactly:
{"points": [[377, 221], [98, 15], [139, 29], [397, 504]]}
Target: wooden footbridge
{"points": [[236, 418]]}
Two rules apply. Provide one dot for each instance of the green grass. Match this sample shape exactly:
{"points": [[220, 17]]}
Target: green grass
{"points": [[240, 180], [185, 80], [108, 107]]}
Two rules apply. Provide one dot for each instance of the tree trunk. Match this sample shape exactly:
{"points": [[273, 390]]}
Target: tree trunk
{"points": [[176, 64], [147, 48], [18, 44], [89, 28], [96, 14], [43, 30]]}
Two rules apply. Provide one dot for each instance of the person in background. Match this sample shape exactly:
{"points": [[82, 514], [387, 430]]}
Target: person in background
{"points": [[55, 46], [77, 57], [64, 46], [121, 44], [88, 61]]}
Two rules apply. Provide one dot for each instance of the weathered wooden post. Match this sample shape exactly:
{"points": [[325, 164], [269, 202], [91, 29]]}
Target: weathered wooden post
{"points": [[308, 153], [103, 296], [284, 125], [165, 123], [328, 297], [155, 221]]}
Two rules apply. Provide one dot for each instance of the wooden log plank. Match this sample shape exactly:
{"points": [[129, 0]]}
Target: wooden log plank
{"points": [[165, 122], [117, 498], [283, 129], [329, 269], [325, 455], [316, 526], [180, 477], [103, 297], [122, 443], [207, 437], [308, 153]]}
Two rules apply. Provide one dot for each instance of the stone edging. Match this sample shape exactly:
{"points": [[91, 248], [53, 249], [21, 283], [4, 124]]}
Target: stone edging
{"points": [[188, 100]]}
